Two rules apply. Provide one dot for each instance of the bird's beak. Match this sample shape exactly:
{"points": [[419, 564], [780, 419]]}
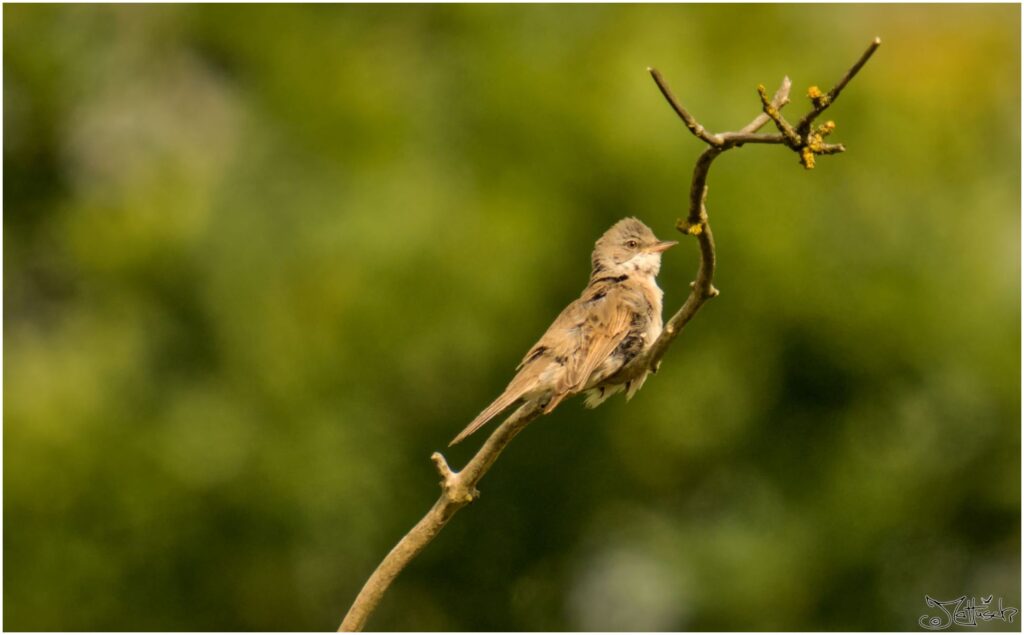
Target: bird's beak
{"points": [[660, 247]]}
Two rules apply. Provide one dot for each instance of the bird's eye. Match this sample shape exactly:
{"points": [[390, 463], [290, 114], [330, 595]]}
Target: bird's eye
{"points": [[632, 244]]}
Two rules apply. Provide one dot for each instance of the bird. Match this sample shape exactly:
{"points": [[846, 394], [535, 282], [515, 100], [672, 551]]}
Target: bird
{"points": [[615, 319]]}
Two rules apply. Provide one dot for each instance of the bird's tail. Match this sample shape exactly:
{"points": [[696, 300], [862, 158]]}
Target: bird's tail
{"points": [[511, 395]]}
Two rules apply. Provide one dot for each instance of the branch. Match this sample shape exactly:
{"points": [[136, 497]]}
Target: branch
{"points": [[821, 102], [459, 489], [807, 145], [691, 123], [775, 114]]}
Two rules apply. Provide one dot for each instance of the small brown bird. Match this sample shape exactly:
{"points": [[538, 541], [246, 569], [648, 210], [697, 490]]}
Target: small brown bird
{"points": [[617, 317]]}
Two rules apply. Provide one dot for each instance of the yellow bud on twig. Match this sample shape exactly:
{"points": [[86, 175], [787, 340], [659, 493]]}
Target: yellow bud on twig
{"points": [[807, 158], [818, 98]]}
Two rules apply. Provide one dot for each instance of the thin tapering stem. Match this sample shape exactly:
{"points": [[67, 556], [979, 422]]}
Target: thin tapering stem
{"points": [[458, 489], [822, 104], [698, 130]]}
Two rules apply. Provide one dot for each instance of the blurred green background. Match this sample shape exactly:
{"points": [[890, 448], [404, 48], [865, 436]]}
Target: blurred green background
{"points": [[260, 262]]}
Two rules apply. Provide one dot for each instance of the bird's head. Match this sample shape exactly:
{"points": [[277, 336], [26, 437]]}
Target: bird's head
{"points": [[629, 247]]}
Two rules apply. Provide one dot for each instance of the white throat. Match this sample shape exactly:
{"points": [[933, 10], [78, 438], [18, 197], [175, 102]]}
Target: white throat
{"points": [[643, 264]]}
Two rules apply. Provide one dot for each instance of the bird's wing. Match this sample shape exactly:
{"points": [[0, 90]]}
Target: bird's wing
{"points": [[580, 338], [529, 370], [562, 338], [605, 324]]}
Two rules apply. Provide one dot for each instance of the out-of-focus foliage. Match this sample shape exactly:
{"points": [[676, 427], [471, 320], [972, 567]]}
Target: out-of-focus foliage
{"points": [[259, 262]]}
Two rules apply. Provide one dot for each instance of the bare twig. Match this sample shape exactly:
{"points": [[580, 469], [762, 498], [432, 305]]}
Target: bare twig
{"points": [[780, 99], [775, 114], [824, 101], [458, 489], [691, 123]]}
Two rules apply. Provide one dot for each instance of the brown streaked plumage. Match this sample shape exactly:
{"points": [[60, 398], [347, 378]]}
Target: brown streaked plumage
{"points": [[617, 317]]}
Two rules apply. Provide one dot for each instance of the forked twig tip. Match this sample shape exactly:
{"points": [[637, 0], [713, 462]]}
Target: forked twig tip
{"points": [[442, 465]]}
